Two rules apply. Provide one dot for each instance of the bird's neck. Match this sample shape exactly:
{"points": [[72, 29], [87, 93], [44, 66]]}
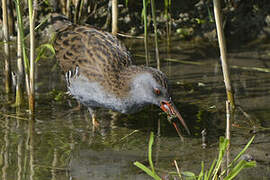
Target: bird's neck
{"points": [[128, 74], [132, 80]]}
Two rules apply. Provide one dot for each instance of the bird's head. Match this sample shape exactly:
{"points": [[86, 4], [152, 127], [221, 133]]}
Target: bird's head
{"points": [[151, 87]]}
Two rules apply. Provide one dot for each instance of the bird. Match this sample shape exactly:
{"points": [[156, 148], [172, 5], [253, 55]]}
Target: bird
{"points": [[99, 72]]}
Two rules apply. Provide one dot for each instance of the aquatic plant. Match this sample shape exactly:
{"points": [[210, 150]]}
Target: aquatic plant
{"points": [[6, 47], [232, 170], [167, 13], [153, 7], [114, 17], [151, 172], [32, 14], [223, 52], [29, 64], [22, 43], [230, 103], [144, 15]]}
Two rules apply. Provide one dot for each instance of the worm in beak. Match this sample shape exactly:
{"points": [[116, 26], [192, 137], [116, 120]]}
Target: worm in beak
{"points": [[172, 112]]}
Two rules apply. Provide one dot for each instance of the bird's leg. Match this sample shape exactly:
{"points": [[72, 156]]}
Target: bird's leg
{"points": [[74, 109], [93, 116], [78, 107]]}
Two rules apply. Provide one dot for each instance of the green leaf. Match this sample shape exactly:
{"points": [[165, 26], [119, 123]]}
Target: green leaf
{"points": [[211, 169], [188, 174], [41, 51], [211, 19], [201, 173], [239, 155], [236, 170], [151, 172], [147, 170], [145, 5], [223, 143], [205, 176], [243, 150]]}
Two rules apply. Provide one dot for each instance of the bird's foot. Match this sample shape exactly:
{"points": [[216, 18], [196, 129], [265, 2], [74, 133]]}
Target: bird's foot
{"points": [[77, 108]]}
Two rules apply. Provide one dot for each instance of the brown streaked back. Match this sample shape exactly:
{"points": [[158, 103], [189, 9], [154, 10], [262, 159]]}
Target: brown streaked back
{"points": [[99, 55]]}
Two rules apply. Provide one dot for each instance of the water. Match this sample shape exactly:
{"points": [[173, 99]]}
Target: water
{"points": [[60, 142]]}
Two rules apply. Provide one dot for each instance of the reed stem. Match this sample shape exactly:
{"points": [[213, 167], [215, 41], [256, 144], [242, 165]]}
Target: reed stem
{"points": [[67, 8], [223, 53], [167, 4], [81, 11], [19, 98], [21, 31], [228, 134], [32, 12], [153, 7], [63, 7], [114, 17], [145, 32], [170, 24], [6, 47], [11, 20], [228, 122], [76, 14]]}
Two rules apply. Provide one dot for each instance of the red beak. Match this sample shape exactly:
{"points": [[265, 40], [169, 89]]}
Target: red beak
{"points": [[172, 112]]}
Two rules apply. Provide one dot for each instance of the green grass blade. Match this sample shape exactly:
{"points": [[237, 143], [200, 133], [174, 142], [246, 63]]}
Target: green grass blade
{"points": [[200, 177], [151, 172], [166, 4], [150, 144], [223, 143], [242, 152], [41, 50], [147, 170], [21, 31], [232, 164], [41, 23], [211, 169], [144, 10], [236, 170], [205, 175]]}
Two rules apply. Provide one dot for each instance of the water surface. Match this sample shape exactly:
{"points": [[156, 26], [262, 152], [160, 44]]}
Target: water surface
{"points": [[59, 143]]}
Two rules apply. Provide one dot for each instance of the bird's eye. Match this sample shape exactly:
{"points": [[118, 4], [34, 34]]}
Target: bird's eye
{"points": [[157, 91]]}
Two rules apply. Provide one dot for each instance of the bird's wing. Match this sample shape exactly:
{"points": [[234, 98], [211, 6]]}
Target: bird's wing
{"points": [[98, 54]]}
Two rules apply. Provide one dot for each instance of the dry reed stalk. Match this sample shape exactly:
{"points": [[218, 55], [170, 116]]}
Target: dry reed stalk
{"points": [[114, 17], [32, 14], [228, 122], [19, 70], [11, 24], [223, 53], [67, 8], [6, 47]]}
